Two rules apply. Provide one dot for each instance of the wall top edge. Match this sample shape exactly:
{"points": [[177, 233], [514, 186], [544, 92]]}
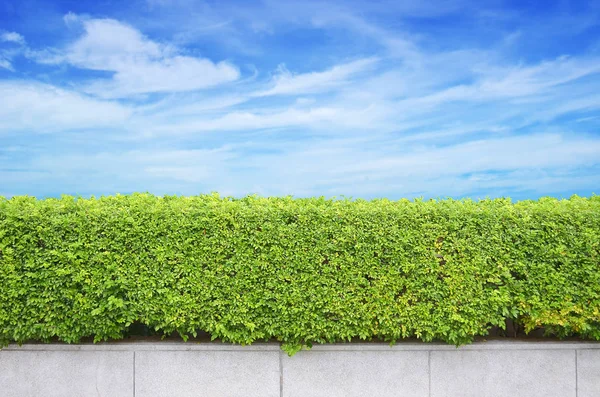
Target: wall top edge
{"points": [[383, 347]]}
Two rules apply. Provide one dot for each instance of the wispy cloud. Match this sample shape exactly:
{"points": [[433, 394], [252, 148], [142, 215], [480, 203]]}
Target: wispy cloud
{"points": [[41, 108], [12, 37], [15, 45], [287, 83], [5, 63]]}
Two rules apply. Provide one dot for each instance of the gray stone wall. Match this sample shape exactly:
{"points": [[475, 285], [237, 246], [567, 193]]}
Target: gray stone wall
{"points": [[149, 369]]}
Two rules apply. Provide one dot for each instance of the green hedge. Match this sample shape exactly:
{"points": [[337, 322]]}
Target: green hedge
{"points": [[301, 271]]}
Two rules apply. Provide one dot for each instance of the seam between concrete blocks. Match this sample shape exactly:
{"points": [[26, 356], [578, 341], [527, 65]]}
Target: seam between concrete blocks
{"points": [[280, 374], [134, 373], [576, 373], [429, 372]]}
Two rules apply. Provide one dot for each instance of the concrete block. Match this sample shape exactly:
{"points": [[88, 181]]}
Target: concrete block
{"points": [[588, 373], [485, 373], [66, 373], [356, 373], [207, 373]]}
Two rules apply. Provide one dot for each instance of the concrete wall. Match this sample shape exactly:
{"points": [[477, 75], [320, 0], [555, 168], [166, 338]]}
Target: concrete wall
{"points": [[145, 369]]}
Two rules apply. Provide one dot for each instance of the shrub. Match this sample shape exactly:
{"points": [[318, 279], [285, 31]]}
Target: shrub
{"points": [[301, 271]]}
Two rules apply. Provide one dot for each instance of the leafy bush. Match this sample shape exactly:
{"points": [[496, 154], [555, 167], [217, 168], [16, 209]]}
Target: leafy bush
{"points": [[301, 271]]}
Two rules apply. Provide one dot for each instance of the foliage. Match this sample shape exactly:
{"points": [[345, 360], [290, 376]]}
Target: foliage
{"points": [[301, 271]]}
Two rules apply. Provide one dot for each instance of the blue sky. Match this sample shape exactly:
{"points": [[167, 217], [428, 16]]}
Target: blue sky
{"points": [[307, 98]]}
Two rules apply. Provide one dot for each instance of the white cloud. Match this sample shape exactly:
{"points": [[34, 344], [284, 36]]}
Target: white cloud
{"points": [[165, 170], [304, 101], [5, 64], [396, 46], [238, 120], [515, 82], [12, 37], [500, 154], [72, 19], [190, 106], [566, 105], [7, 54], [38, 107], [140, 65], [317, 117], [187, 166], [161, 3], [287, 83], [529, 80]]}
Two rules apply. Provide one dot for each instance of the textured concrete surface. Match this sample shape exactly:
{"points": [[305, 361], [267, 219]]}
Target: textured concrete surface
{"points": [[207, 374], [588, 373], [484, 373], [66, 374], [148, 369], [356, 373]]}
